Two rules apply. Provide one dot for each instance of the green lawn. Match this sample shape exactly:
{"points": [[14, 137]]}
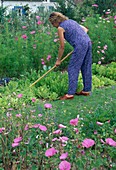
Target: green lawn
{"points": [[101, 100]]}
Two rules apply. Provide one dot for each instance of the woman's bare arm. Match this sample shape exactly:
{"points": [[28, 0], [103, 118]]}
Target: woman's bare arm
{"points": [[84, 28]]}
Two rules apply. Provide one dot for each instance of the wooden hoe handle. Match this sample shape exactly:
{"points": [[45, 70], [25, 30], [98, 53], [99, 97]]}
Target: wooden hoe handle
{"points": [[50, 69]]}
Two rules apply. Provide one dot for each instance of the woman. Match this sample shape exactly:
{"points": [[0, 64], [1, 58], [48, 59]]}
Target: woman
{"points": [[81, 59]]}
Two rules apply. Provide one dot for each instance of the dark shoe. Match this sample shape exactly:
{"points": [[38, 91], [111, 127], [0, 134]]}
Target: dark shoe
{"points": [[83, 93], [66, 98]]}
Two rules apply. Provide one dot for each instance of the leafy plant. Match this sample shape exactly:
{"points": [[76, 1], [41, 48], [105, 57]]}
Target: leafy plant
{"points": [[103, 46]]}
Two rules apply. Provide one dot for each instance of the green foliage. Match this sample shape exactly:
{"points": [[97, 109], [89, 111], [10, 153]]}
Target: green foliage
{"points": [[66, 7], [83, 9], [2, 13], [55, 84], [102, 33], [104, 6], [108, 71], [21, 55], [24, 121]]}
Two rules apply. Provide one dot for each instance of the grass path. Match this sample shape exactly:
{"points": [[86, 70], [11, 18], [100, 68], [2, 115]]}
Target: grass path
{"points": [[101, 100]]}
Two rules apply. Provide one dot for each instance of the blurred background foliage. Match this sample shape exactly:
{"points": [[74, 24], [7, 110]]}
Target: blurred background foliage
{"points": [[21, 55]]}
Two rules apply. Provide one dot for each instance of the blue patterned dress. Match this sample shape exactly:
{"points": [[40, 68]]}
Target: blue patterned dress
{"points": [[81, 58]]}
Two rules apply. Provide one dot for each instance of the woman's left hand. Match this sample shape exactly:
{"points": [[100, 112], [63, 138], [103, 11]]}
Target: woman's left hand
{"points": [[58, 62]]}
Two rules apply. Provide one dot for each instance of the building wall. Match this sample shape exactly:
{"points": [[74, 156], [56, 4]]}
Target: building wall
{"points": [[32, 5]]}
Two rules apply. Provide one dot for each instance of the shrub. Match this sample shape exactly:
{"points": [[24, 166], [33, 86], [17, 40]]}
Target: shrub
{"points": [[104, 6], [103, 41]]}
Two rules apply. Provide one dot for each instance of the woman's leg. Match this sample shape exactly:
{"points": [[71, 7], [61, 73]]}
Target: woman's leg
{"points": [[86, 69], [74, 67]]}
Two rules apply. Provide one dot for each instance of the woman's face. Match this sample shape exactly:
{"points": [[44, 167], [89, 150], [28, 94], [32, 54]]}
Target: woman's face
{"points": [[55, 24]]}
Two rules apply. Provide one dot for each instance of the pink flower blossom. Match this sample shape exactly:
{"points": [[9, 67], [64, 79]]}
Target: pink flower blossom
{"points": [[15, 144], [99, 123], [48, 106], [48, 33], [36, 126], [43, 63], [2, 129], [64, 165], [63, 139], [19, 95], [57, 131], [61, 126], [102, 141], [33, 100], [16, 38], [32, 32], [8, 114], [95, 132], [24, 27], [26, 127], [24, 36], [50, 152], [48, 57], [114, 17], [18, 115], [76, 130], [17, 140], [110, 142], [83, 20], [10, 109], [32, 111], [82, 152], [54, 139], [103, 51], [33, 116], [114, 130], [64, 155], [105, 47], [40, 115], [39, 22], [95, 5], [108, 121], [108, 12], [74, 122], [99, 62], [34, 46], [55, 40], [43, 128], [38, 17], [88, 143]]}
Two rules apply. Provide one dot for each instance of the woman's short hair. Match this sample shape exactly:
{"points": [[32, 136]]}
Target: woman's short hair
{"points": [[57, 17]]}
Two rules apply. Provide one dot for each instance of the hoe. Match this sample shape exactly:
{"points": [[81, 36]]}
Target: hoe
{"points": [[50, 70]]}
